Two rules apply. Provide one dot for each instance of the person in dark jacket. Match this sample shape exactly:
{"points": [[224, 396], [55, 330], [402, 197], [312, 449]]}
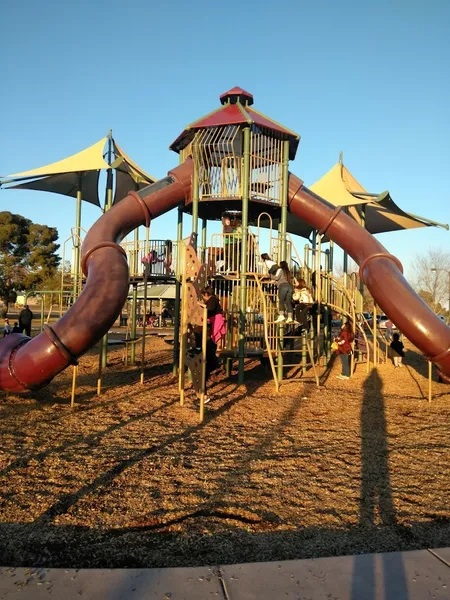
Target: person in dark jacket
{"points": [[397, 350], [344, 343], [25, 318]]}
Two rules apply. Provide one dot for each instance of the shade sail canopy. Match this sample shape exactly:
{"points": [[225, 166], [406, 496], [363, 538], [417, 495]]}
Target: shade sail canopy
{"points": [[66, 176], [66, 184], [129, 176], [82, 170], [90, 159], [379, 214]]}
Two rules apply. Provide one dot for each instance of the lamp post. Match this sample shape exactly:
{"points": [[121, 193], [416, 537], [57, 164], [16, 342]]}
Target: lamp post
{"points": [[435, 270]]}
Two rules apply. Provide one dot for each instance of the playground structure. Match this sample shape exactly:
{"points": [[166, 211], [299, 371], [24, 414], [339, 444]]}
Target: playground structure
{"points": [[234, 161]]}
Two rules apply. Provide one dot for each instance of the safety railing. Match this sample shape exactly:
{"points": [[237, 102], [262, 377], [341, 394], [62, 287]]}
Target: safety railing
{"points": [[224, 256]]}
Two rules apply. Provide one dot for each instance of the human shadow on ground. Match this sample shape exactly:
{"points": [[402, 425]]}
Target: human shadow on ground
{"points": [[376, 501]]}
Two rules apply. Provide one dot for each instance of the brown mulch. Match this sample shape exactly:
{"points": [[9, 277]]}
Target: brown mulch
{"points": [[132, 479]]}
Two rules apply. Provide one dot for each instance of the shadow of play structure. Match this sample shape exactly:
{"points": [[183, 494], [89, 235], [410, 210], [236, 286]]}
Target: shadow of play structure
{"points": [[234, 161]]}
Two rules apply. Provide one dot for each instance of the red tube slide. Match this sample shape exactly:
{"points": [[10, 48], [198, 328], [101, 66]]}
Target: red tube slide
{"points": [[31, 363], [380, 271]]}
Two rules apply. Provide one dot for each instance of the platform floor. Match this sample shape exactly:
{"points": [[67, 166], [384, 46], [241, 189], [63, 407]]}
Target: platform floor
{"points": [[412, 575]]}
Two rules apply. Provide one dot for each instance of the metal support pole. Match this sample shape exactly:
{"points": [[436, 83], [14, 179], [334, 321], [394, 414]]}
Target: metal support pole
{"points": [[284, 201], [203, 247], [42, 313], [282, 250], [176, 325], [345, 261], [133, 325], [203, 380], [430, 379], [144, 320], [375, 336], [195, 202], [74, 385], [77, 244], [108, 204], [243, 280], [134, 267]]}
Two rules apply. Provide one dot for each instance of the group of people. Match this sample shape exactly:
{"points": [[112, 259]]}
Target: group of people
{"points": [[343, 345], [154, 258], [20, 326]]}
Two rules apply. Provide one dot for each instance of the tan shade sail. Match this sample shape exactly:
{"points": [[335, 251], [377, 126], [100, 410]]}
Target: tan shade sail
{"points": [[378, 214], [129, 176], [90, 159]]}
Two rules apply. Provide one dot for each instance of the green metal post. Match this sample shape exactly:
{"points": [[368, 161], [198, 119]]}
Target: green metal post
{"points": [[243, 280], [136, 252], [203, 247], [282, 240], [361, 283], [108, 204], [133, 325], [304, 351], [284, 200], [77, 245], [195, 201], [42, 313], [176, 326], [326, 328]]}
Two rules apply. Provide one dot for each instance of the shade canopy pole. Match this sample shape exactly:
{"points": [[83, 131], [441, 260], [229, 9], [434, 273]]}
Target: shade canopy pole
{"points": [[108, 204]]}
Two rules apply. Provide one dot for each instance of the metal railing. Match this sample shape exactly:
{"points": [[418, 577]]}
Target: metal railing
{"points": [[224, 256]]}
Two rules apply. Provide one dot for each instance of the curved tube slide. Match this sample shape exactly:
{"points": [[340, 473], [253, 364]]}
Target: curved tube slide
{"points": [[380, 271], [30, 364]]}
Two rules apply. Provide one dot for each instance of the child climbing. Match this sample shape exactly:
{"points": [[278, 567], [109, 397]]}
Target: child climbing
{"points": [[282, 277], [397, 351]]}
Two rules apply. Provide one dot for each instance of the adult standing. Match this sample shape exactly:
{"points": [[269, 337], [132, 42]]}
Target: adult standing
{"points": [[25, 318]]}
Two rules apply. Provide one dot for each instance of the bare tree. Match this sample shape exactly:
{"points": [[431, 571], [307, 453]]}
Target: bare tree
{"points": [[431, 278]]}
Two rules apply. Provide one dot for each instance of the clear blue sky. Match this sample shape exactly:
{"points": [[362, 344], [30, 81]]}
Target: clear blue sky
{"points": [[371, 79]]}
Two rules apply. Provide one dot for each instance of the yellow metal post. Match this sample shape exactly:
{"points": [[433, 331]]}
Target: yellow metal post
{"points": [[183, 330], [179, 276], [375, 336], [203, 381], [430, 379], [243, 266], [74, 385]]}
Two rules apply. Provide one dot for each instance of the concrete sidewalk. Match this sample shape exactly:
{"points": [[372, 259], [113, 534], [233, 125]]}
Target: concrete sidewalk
{"points": [[390, 576]]}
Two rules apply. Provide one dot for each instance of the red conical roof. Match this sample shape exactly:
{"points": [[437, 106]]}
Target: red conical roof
{"points": [[237, 93], [235, 110]]}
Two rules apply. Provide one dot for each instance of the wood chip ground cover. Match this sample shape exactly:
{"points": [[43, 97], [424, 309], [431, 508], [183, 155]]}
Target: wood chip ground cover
{"points": [[133, 479]]}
